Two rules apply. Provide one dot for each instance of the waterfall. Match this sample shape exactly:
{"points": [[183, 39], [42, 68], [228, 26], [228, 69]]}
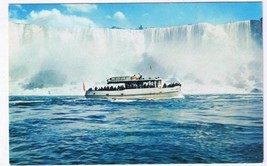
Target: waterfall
{"points": [[205, 58]]}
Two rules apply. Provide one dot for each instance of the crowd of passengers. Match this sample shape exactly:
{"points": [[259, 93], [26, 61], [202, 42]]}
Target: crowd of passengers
{"points": [[171, 85], [132, 86]]}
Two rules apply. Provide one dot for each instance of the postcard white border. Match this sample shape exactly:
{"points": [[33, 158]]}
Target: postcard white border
{"points": [[4, 115]]}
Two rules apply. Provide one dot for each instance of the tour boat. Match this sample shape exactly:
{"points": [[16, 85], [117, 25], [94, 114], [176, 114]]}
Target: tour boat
{"points": [[134, 88]]}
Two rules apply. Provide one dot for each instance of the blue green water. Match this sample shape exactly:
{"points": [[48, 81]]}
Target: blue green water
{"points": [[195, 129]]}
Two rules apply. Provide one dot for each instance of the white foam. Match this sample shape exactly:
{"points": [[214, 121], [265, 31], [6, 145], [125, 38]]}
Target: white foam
{"points": [[122, 100], [205, 58]]}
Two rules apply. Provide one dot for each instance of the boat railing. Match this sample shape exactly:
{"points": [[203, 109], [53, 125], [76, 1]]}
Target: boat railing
{"points": [[122, 78], [131, 86]]}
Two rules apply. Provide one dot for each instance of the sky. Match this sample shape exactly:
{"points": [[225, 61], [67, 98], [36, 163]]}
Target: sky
{"points": [[132, 15]]}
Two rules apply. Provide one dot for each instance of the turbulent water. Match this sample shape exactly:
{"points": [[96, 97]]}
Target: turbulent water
{"points": [[205, 58], [195, 129]]}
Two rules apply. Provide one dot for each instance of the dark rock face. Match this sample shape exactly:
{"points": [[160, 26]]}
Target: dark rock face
{"points": [[256, 90], [256, 30], [45, 79]]}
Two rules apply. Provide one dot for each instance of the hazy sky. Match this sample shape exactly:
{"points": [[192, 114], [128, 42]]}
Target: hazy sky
{"points": [[133, 15]]}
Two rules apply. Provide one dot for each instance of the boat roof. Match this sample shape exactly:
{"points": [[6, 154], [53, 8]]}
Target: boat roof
{"points": [[131, 79]]}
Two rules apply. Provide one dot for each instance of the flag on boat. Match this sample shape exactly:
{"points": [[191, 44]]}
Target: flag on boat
{"points": [[83, 87]]}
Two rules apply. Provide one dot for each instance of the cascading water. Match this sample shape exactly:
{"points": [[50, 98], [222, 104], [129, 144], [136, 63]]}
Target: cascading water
{"points": [[205, 58]]}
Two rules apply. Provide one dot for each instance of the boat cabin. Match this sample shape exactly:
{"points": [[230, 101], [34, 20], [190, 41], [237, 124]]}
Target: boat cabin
{"points": [[131, 82]]}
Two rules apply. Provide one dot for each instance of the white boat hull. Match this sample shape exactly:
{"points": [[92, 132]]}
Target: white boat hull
{"points": [[135, 94]]}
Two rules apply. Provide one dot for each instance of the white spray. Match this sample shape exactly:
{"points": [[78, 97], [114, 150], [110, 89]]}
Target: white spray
{"points": [[205, 58]]}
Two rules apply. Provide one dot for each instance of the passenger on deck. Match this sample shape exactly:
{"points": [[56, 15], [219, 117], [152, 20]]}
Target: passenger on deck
{"points": [[164, 85], [134, 77], [140, 76]]}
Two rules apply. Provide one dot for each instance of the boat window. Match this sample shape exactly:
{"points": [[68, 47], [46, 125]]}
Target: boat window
{"points": [[107, 94]]}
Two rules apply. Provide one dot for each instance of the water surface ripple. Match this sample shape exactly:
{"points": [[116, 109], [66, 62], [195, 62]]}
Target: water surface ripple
{"points": [[196, 129]]}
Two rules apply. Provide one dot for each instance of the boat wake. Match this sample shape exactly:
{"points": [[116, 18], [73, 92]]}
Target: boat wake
{"points": [[121, 100], [180, 96]]}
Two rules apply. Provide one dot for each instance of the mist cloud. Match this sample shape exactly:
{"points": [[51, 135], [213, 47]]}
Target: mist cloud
{"points": [[205, 58], [46, 79], [148, 66]]}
